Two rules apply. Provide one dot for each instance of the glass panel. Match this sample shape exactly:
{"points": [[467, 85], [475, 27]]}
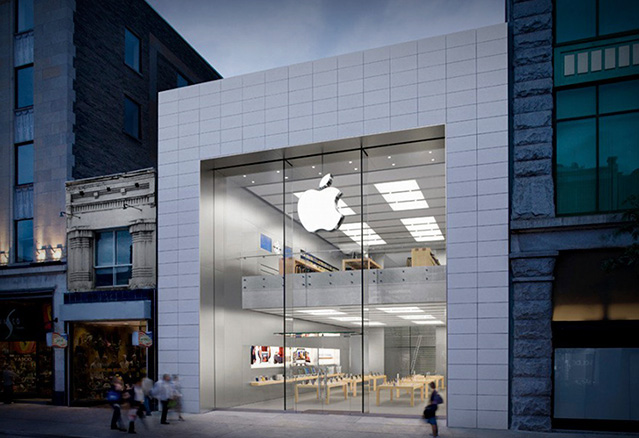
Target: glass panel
{"points": [[618, 16], [124, 248], [618, 160], [131, 50], [25, 15], [24, 165], [131, 118], [104, 277], [24, 87], [597, 383], [405, 203], [24, 239], [575, 20], [122, 275], [619, 96], [576, 166], [323, 281], [104, 248], [181, 81], [576, 103]]}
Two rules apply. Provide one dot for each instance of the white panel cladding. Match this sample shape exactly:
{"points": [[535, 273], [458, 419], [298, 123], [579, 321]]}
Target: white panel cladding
{"points": [[459, 80]]}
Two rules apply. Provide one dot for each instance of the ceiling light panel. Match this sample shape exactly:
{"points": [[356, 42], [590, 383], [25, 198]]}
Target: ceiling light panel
{"points": [[413, 317], [402, 195], [370, 324], [322, 312], [347, 318], [423, 229], [354, 231], [400, 309], [431, 322]]}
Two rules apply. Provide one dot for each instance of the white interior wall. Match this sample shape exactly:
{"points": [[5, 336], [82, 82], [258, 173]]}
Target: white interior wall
{"points": [[457, 80]]}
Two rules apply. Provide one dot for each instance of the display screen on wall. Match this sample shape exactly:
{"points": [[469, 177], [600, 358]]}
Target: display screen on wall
{"points": [[270, 356], [266, 243], [266, 356]]}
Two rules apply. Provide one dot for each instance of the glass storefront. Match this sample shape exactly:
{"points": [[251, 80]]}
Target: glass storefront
{"points": [[102, 350], [326, 290], [23, 348]]}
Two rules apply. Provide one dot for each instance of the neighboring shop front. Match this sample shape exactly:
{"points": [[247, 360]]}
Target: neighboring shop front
{"points": [[23, 347]]}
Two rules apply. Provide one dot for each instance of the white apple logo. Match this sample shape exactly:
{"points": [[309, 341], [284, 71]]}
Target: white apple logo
{"points": [[317, 209]]}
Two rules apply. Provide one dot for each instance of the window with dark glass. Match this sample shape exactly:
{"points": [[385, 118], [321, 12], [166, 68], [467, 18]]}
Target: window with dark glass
{"points": [[24, 240], [597, 155], [24, 164], [24, 15], [113, 258], [582, 19], [24, 87], [182, 81], [131, 50], [131, 118]]}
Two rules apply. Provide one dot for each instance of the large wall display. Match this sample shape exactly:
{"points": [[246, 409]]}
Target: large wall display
{"points": [[23, 325], [270, 357], [101, 351]]}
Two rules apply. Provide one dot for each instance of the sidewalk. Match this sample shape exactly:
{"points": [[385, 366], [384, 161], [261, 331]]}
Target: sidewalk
{"points": [[28, 420]]}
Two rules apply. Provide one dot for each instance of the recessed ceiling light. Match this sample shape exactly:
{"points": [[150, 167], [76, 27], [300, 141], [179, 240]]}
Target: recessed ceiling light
{"points": [[389, 157], [423, 229], [312, 167], [402, 195], [370, 323], [348, 318], [244, 176], [278, 171], [400, 309], [355, 168], [431, 322], [286, 177], [354, 231], [432, 159], [350, 162], [252, 182], [393, 164], [416, 316], [322, 312], [430, 152], [319, 173]]}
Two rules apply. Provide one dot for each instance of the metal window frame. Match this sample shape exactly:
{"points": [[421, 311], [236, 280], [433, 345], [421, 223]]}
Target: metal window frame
{"points": [[115, 265]]}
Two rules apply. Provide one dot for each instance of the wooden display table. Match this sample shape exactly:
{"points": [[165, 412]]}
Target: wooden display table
{"points": [[317, 385], [409, 387], [291, 379], [298, 266], [366, 379], [437, 378], [356, 264]]}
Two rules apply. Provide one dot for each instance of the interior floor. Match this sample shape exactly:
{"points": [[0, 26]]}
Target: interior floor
{"points": [[308, 402]]}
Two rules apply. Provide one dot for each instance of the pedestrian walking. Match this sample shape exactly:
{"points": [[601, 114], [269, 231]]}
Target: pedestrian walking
{"points": [[177, 395], [163, 391], [430, 412], [147, 387], [8, 379], [136, 402], [116, 396]]}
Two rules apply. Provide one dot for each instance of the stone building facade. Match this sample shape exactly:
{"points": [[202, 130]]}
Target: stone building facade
{"points": [[556, 54]]}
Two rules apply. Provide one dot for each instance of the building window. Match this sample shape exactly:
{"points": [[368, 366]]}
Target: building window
{"points": [[24, 164], [182, 81], [131, 50], [113, 258], [131, 118], [24, 240], [24, 87], [583, 19], [24, 15], [597, 157]]}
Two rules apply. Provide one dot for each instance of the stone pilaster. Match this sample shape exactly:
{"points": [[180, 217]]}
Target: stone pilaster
{"points": [[531, 355], [80, 260], [143, 236]]}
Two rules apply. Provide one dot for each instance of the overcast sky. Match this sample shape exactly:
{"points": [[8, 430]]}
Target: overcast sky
{"points": [[244, 36]]}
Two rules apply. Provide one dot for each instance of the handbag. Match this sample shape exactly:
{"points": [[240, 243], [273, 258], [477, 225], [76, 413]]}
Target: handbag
{"points": [[429, 411]]}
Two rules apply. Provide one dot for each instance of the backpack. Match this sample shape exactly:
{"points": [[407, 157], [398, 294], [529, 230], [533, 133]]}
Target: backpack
{"points": [[437, 399]]}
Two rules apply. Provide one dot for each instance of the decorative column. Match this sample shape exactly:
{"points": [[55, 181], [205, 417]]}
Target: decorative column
{"points": [[80, 260], [143, 236], [531, 370]]}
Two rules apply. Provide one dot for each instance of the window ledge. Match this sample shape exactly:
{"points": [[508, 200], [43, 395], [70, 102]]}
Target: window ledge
{"points": [[587, 221]]}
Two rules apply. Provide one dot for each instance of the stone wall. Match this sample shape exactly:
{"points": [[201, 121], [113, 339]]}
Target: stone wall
{"points": [[532, 104]]}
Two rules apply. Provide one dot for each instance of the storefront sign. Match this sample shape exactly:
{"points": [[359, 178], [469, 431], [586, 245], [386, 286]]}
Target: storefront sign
{"points": [[317, 209], [24, 321], [57, 340], [142, 339]]}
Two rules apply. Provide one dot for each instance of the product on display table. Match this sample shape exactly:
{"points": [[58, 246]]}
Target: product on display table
{"points": [[409, 387], [426, 379], [353, 381]]}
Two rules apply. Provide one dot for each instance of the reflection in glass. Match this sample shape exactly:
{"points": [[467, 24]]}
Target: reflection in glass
{"points": [[24, 239], [24, 164], [131, 50], [25, 15], [24, 87], [131, 118], [576, 19]]}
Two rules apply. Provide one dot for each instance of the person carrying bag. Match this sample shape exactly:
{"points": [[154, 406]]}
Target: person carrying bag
{"points": [[430, 411]]}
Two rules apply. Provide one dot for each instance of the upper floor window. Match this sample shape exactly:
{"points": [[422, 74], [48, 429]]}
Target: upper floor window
{"points": [[182, 81], [113, 258], [131, 118], [597, 156], [24, 240], [24, 164], [24, 86], [131, 50], [24, 15], [583, 19]]}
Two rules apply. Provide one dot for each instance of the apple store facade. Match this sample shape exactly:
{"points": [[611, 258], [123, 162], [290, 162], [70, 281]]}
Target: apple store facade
{"points": [[333, 235]]}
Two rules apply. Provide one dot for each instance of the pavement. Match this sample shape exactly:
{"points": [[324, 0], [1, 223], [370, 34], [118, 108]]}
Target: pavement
{"points": [[44, 421]]}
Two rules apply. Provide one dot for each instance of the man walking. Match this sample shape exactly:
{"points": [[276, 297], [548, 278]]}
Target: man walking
{"points": [[163, 391], [8, 377]]}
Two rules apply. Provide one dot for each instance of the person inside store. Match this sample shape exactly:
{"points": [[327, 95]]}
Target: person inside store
{"points": [[116, 396], [163, 391], [8, 380], [431, 409]]}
